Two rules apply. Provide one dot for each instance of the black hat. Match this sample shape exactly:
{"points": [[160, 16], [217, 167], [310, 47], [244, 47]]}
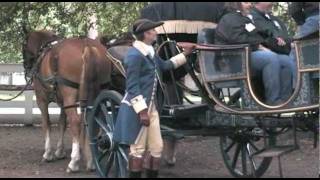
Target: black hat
{"points": [[143, 25]]}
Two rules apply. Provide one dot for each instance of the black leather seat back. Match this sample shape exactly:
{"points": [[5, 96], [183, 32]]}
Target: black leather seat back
{"points": [[119, 52], [206, 36]]}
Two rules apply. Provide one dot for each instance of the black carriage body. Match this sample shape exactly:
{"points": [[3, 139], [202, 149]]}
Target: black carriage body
{"points": [[221, 75]]}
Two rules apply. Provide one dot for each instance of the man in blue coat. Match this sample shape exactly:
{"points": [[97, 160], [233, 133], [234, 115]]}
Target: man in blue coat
{"points": [[138, 119]]}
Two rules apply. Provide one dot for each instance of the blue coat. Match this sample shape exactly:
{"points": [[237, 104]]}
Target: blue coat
{"points": [[141, 77]]}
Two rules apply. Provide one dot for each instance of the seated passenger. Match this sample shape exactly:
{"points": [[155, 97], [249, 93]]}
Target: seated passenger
{"points": [[275, 31], [306, 15], [236, 28]]}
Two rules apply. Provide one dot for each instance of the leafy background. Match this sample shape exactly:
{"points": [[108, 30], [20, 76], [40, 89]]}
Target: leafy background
{"points": [[72, 19]]}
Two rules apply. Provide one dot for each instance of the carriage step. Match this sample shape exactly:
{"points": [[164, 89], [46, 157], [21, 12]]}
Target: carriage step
{"points": [[276, 151], [183, 111]]}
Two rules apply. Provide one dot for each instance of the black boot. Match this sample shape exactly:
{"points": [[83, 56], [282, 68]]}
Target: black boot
{"points": [[152, 165], [135, 174], [135, 167], [152, 173]]}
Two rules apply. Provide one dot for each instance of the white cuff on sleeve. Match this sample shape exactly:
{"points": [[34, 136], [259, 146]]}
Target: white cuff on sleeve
{"points": [[178, 60], [138, 103]]}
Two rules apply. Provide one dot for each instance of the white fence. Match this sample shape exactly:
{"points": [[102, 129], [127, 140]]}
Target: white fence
{"points": [[24, 109]]}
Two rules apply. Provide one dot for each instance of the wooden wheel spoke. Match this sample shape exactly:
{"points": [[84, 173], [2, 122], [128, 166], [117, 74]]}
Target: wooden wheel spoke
{"points": [[235, 157], [104, 109], [121, 165], [251, 158], [113, 111], [109, 162], [104, 126], [105, 153], [254, 146], [244, 159], [123, 154], [230, 146], [108, 117]]}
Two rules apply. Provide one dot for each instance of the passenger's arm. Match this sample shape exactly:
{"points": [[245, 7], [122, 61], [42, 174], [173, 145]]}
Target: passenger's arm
{"points": [[233, 33]]}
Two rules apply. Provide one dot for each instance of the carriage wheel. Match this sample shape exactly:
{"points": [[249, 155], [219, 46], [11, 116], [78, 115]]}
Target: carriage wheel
{"points": [[237, 150], [110, 158]]}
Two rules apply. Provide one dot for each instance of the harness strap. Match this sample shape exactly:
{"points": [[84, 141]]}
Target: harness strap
{"points": [[71, 106], [61, 80], [117, 63]]}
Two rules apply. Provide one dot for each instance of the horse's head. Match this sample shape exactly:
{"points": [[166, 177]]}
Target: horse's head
{"points": [[32, 45]]}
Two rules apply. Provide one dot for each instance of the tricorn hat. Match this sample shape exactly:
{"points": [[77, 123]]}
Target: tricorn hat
{"points": [[143, 25]]}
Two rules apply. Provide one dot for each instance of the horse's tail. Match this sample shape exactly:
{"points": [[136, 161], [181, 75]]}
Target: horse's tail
{"points": [[88, 79], [88, 89]]}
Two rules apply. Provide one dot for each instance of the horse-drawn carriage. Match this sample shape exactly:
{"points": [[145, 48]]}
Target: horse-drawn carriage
{"points": [[231, 106]]}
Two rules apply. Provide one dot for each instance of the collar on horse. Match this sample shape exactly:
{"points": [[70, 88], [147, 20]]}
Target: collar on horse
{"points": [[44, 49]]}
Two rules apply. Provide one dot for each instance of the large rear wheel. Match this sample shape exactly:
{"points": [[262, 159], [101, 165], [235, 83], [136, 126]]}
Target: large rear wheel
{"points": [[237, 151], [109, 157]]}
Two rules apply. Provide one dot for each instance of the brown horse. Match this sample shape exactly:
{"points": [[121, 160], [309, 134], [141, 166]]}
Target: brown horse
{"points": [[66, 71]]}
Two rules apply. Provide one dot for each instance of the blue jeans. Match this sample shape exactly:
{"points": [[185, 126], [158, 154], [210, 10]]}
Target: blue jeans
{"points": [[276, 74], [310, 26]]}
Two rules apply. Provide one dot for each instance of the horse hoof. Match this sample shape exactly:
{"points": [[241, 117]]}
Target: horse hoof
{"points": [[73, 170], [48, 157], [44, 160], [91, 169], [171, 163], [60, 155]]}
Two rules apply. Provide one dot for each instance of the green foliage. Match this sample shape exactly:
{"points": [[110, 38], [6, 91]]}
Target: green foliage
{"points": [[65, 18], [70, 19], [281, 9]]}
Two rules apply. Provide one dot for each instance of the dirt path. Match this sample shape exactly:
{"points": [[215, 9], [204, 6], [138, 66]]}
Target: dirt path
{"points": [[21, 149]]}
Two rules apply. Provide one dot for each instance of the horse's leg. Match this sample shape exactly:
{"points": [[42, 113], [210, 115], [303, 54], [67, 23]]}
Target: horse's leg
{"points": [[46, 126], [75, 125], [69, 98], [60, 152], [87, 152], [86, 145], [170, 145]]}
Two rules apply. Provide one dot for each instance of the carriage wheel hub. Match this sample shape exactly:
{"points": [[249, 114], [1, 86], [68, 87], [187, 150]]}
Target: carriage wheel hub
{"points": [[105, 142]]}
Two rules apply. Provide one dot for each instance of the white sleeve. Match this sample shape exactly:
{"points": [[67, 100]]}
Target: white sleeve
{"points": [[138, 103]]}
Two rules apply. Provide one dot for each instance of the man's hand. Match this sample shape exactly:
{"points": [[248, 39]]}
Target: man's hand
{"points": [[187, 47], [144, 117], [280, 42]]}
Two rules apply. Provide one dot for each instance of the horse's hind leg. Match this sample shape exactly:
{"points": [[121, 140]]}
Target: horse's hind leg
{"points": [[94, 88], [75, 125], [69, 98], [170, 150], [60, 152], [46, 126]]}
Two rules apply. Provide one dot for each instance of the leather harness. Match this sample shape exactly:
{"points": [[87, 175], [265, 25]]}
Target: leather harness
{"points": [[52, 81]]}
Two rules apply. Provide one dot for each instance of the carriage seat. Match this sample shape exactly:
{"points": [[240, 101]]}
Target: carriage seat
{"points": [[206, 36], [119, 52]]}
